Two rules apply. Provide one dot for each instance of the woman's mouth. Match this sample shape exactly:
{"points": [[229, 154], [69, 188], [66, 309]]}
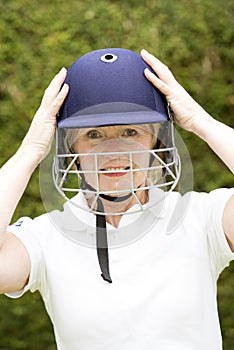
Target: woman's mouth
{"points": [[115, 171]]}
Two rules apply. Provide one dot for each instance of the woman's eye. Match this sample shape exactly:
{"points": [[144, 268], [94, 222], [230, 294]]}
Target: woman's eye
{"points": [[93, 134], [130, 132]]}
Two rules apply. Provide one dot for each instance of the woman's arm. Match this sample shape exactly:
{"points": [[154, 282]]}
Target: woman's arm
{"points": [[192, 117], [14, 177]]}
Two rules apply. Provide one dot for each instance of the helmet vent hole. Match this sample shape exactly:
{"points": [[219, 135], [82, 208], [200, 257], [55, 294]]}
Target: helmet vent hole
{"points": [[109, 58]]}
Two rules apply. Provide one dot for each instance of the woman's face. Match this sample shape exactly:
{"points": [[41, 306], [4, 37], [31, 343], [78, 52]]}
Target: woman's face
{"points": [[112, 167]]}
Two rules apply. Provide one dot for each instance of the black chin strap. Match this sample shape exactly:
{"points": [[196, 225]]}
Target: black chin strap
{"points": [[101, 232], [101, 243], [101, 235]]}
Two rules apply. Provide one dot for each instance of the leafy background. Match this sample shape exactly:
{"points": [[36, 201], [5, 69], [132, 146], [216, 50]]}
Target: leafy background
{"points": [[193, 37]]}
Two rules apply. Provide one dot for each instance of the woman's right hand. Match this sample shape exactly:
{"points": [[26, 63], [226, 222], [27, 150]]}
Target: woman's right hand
{"points": [[38, 139]]}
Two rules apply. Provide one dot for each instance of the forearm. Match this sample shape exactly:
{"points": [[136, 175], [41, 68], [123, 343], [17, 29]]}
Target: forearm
{"points": [[218, 136], [14, 177]]}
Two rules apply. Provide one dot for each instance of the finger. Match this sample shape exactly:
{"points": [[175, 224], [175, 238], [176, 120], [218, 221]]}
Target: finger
{"points": [[158, 67], [48, 113], [54, 87], [58, 101], [158, 83]]}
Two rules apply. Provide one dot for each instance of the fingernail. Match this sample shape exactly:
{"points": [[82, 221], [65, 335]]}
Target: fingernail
{"points": [[146, 70], [144, 52], [63, 69]]}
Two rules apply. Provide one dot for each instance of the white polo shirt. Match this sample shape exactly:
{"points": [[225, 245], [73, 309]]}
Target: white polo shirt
{"points": [[164, 263]]}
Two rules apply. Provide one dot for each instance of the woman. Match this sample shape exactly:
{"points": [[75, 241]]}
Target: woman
{"points": [[163, 293]]}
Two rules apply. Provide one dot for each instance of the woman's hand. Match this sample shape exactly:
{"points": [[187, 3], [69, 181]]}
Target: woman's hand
{"points": [[40, 134], [187, 112]]}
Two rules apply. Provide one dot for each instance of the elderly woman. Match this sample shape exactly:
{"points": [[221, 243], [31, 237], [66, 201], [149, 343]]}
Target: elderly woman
{"points": [[117, 166]]}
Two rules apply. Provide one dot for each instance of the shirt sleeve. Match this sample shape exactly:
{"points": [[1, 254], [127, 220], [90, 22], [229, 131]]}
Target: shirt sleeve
{"points": [[24, 229], [221, 253]]}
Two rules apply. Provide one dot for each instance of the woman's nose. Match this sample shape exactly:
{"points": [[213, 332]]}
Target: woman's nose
{"points": [[112, 145]]}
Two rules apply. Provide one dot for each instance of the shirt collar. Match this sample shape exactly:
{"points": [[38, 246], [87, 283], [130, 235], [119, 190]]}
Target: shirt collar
{"points": [[156, 205], [79, 225]]}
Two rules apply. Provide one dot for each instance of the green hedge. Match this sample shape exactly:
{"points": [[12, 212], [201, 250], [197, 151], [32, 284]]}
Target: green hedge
{"points": [[195, 38]]}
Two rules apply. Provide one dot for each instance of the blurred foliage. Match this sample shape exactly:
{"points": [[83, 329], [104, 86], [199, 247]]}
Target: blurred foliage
{"points": [[193, 37]]}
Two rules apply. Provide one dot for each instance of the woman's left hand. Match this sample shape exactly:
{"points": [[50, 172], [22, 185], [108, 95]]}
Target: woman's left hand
{"points": [[187, 112]]}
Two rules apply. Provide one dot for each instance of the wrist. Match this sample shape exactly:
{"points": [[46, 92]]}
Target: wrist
{"points": [[202, 125], [29, 155]]}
